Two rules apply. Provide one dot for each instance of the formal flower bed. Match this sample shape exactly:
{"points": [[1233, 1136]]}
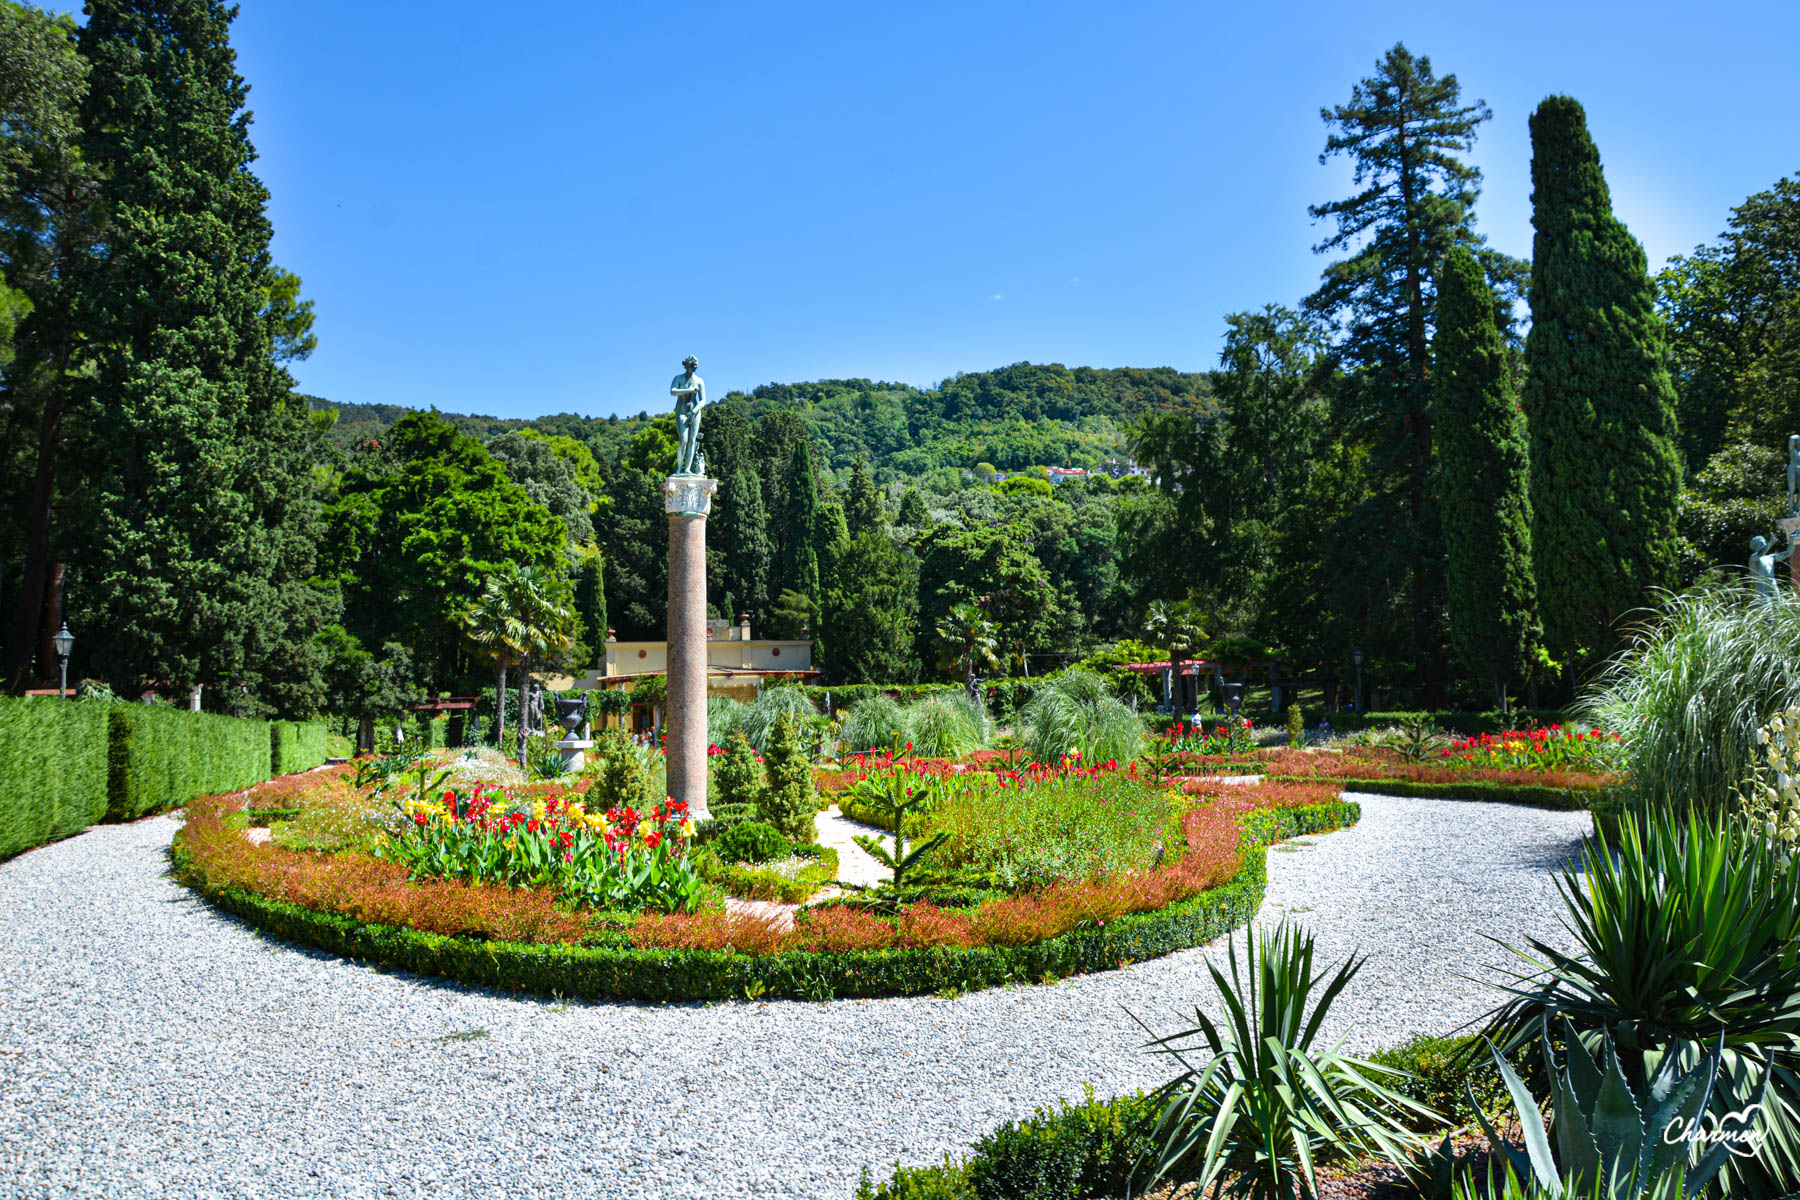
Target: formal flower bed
{"points": [[524, 891], [1551, 748]]}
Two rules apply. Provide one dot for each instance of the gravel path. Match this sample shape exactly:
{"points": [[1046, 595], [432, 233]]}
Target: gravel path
{"points": [[150, 1046]]}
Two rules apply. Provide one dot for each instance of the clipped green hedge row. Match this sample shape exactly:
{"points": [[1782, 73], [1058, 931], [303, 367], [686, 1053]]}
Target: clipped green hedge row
{"points": [[65, 765], [296, 746], [159, 756], [1469, 724], [627, 973], [52, 770], [1567, 799]]}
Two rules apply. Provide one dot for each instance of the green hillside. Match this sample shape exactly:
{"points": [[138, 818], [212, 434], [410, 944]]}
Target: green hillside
{"points": [[1017, 416]]}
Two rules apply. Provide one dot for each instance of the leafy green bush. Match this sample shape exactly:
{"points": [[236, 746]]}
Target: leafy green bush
{"points": [[1075, 713], [1689, 694], [1567, 799], [1440, 1074], [752, 842], [52, 770], [159, 757], [877, 724]]}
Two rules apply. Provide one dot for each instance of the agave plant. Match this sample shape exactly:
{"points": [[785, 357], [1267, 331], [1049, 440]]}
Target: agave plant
{"points": [[1626, 1141], [1690, 928], [1271, 1098]]}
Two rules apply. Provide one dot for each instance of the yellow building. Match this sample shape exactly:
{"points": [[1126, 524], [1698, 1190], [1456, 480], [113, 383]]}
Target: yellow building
{"points": [[737, 665]]}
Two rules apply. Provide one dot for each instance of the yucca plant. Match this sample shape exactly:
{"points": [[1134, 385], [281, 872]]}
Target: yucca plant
{"points": [[1627, 1140], [1270, 1099], [1505, 1183], [1075, 713], [1688, 929], [1690, 692]]}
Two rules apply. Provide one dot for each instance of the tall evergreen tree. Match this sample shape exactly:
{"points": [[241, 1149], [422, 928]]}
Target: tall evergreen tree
{"points": [[862, 507], [1605, 472], [197, 518], [744, 544], [868, 620], [1484, 482], [1404, 130], [800, 526]]}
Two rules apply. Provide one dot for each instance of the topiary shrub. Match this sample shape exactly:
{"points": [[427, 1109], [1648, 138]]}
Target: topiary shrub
{"points": [[621, 774], [791, 801], [738, 786], [752, 842]]}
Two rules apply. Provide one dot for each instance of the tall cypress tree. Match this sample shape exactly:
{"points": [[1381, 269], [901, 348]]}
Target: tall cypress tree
{"points": [[197, 523], [1484, 477], [744, 542], [1605, 472], [800, 535]]}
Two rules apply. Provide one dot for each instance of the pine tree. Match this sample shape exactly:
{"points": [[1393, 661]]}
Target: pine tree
{"points": [[197, 524], [1484, 474], [862, 509], [1605, 472], [870, 613], [1404, 129], [913, 513]]}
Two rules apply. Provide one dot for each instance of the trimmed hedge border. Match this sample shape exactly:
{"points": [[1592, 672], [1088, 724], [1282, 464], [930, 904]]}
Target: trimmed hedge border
{"points": [[627, 973], [1564, 799], [68, 764], [52, 770]]}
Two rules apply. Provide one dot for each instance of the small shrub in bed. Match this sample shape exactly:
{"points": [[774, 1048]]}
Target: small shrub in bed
{"points": [[752, 842], [738, 785], [791, 802], [1443, 1070]]}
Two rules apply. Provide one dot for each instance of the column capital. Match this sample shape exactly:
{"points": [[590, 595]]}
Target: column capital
{"points": [[688, 495]]}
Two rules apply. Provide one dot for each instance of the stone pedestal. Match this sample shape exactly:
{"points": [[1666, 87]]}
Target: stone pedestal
{"points": [[574, 752], [687, 499], [1791, 527]]}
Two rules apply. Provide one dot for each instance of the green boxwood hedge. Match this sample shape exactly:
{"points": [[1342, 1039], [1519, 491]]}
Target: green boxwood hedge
{"points": [[52, 769], [627, 973], [160, 757]]}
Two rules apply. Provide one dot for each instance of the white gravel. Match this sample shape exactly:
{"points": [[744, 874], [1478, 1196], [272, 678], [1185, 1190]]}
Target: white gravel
{"points": [[150, 1046]]}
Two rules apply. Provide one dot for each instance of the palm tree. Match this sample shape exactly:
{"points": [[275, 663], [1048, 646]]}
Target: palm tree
{"points": [[967, 639], [493, 626], [542, 618], [1174, 626]]}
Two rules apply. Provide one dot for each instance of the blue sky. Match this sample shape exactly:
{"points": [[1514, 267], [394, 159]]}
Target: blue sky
{"points": [[520, 216]]}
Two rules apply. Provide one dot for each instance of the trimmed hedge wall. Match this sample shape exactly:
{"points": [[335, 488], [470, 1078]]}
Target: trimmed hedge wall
{"points": [[66, 764], [160, 756], [1567, 799], [52, 769], [295, 746], [628, 973], [1469, 724]]}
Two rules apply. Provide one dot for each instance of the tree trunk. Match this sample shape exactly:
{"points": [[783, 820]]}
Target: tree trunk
{"points": [[28, 616], [500, 707], [524, 703]]}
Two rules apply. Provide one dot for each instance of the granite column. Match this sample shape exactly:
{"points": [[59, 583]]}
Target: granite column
{"points": [[687, 499]]}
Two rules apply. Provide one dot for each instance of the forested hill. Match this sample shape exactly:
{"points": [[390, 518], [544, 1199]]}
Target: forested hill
{"points": [[1018, 416]]}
